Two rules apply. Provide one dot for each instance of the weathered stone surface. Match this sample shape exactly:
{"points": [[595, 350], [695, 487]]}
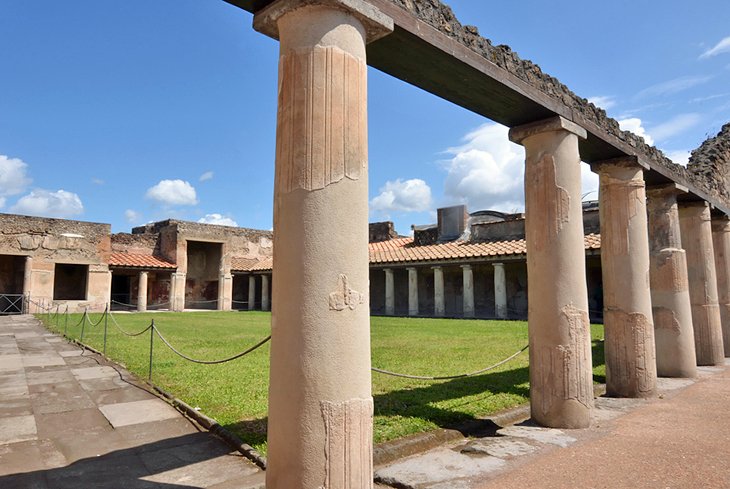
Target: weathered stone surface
{"points": [[137, 412]]}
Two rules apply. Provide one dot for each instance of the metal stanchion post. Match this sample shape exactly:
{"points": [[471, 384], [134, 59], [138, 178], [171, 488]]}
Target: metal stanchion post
{"points": [[152, 340], [106, 324]]}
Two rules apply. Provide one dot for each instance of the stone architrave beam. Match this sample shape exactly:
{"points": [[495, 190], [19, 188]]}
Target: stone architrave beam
{"points": [[561, 377], [721, 244], [320, 399], [694, 220], [671, 308], [627, 318]]}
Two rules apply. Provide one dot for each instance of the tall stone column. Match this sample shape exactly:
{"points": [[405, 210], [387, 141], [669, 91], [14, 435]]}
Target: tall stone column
{"points": [[673, 333], [561, 381], [142, 292], [225, 292], [694, 221], [265, 303], [412, 291], [320, 401], [500, 291], [627, 317], [439, 303], [177, 291], [721, 244], [389, 293], [467, 275], [27, 280], [251, 292]]}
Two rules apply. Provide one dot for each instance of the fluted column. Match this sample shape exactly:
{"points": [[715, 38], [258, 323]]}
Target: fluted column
{"points": [[694, 220], [721, 244], [389, 292], [412, 291], [251, 292], [671, 309], [142, 292], [265, 303], [439, 303], [467, 274], [320, 401], [500, 291], [627, 315], [561, 380]]}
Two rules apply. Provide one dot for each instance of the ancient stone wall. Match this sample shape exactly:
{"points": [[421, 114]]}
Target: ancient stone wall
{"points": [[710, 163], [141, 244], [381, 231]]}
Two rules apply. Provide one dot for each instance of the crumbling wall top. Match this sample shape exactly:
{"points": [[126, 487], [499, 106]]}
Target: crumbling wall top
{"points": [[710, 162]]}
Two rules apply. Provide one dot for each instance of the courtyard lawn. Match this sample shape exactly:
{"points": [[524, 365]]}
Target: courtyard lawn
{"points": [[235, 393]]}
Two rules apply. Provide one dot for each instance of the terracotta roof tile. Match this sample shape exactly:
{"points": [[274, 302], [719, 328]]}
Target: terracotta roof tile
{"points": [[135, 260], [250, 265]]}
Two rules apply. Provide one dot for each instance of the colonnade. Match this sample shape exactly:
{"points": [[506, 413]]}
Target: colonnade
{"points": [[320, 403], [439, 291]]}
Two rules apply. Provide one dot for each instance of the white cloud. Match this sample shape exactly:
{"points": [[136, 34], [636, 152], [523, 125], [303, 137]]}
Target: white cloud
{"points": [[13, 176], [216, 218], [45, 203], [673, 86], [173, 192], [633, 124], [409, 196], [487, 171], [681, 157], [206, 176], [603, 101], [132, 216], [674, 126], [721, 47]]}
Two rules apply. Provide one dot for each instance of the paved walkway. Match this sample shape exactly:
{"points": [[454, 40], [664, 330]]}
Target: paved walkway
{"points": [[68, 420], [679, 440]]}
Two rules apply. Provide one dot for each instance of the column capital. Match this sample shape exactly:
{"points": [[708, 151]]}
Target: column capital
{"points": [[721, 224], [436, 267], [671, 188], [622, 162], [699, 207], [498, 264], [376, 23], [466, 267], [411, 268], [518, 134]]}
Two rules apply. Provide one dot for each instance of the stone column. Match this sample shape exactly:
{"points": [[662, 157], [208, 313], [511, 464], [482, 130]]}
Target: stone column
{"points": [[27, 280], [561, 380], [389, 293], [694, 221], [265, 304], [142, 292], [500, 291], [320, 401], [412, 291], [251, 292], [721, 244], [177, 292], [468, 290], [627, 315], [225, 292], [673, 333], [439, 304]]}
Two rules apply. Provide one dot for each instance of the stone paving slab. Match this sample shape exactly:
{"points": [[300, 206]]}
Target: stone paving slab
{"points": [[69, 420]]}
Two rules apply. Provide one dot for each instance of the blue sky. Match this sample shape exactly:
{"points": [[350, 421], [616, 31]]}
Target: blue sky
{"points": [[136, 111]]}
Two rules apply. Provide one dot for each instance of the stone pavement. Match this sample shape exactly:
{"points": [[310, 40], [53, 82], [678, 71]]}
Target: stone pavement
{"points": [[679, 440], [68, 420]]}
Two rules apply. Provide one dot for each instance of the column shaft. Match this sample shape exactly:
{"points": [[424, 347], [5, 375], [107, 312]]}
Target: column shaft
{"points": [[225, 292], [251, 292], [721, 244], [412, 292], [439, 304], [467, 274], [265, 303], [629, 328], [27, 280], [320, 401], [694, 220], [389, 293], [561, 381], [500, 291], [671, 309], [177, 291], [142, 292]]}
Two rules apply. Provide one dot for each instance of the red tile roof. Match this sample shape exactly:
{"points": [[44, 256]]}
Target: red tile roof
{"points": [[402, 250], [135, 260]]}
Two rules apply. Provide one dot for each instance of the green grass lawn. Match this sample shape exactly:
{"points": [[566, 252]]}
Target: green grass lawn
{"points": [[235, 393]]}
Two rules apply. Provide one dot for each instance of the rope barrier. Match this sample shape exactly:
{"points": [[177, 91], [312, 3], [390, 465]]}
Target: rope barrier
{"points": [[211, 362], [450, 377]]}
